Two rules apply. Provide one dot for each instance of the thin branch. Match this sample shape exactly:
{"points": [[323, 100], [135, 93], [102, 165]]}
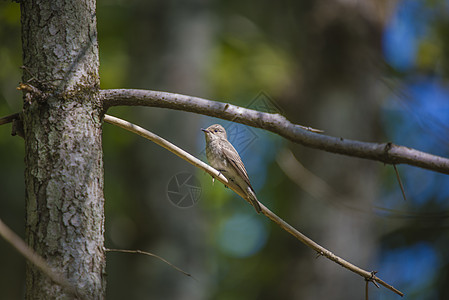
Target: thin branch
{"points": [[9, 119], [37, 260], [284, 225], [324, 252], [366, 290], [399, 181], [166, 144], [153, 255], [384, 152], [320, 189]]}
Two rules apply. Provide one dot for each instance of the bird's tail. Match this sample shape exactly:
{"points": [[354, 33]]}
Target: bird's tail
{"points": [[253, 199]]}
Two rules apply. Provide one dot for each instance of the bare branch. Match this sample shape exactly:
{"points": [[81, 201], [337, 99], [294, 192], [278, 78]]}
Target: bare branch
{"points": [[9, 119], [284, 225], [37, 260], [152, 255], [166, 144], [324, 252], [400, 182], [366, 290], [384, 152]]}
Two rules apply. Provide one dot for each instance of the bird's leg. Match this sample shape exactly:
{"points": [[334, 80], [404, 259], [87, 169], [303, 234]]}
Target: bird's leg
{"points": [[219, 173]]}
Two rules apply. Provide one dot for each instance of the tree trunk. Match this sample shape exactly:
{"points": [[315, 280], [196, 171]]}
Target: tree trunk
{"points": [[62, 127]]}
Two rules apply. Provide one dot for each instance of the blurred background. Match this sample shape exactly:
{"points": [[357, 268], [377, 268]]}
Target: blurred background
{"points": [[368, 70]]}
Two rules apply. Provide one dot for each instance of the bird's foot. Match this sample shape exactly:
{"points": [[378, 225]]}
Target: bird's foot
{"points": [[219, 173]]}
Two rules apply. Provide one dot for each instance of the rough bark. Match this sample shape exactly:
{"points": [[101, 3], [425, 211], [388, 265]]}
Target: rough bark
{"points": [[62, 126]]}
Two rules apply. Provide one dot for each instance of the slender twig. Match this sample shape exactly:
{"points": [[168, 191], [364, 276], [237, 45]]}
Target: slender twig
{"points": [[324, 252], [9, 119], [320, 189], [153, 255], [284, 225], [399, 181], [367, 281], [366, 289], [166, 144], [384, 152], [37, 260]]}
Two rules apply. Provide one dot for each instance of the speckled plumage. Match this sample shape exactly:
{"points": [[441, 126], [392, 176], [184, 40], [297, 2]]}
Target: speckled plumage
{"points": [[223, 157]]}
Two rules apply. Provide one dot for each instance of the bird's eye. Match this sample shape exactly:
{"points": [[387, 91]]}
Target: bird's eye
{"points": [[216, 130]]}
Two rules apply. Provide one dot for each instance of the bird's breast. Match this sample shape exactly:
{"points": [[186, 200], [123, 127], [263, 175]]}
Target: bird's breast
{"points": [[215, 156]]}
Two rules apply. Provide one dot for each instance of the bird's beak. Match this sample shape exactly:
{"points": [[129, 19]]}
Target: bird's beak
{"points": [[205, 130]]}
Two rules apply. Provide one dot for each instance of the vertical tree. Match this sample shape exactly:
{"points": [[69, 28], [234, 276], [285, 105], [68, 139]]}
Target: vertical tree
{"points": [[62, 130], [64, 171]]}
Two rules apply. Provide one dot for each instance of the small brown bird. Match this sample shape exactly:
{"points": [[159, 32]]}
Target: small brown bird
{"points": [[223, 157]]}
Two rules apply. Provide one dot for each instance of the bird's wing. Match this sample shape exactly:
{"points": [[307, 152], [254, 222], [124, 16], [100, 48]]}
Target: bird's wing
{"points": [[234, 159]]}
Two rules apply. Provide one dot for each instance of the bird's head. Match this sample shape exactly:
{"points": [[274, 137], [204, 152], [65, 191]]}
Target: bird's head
{"points": [[215, 131]]}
